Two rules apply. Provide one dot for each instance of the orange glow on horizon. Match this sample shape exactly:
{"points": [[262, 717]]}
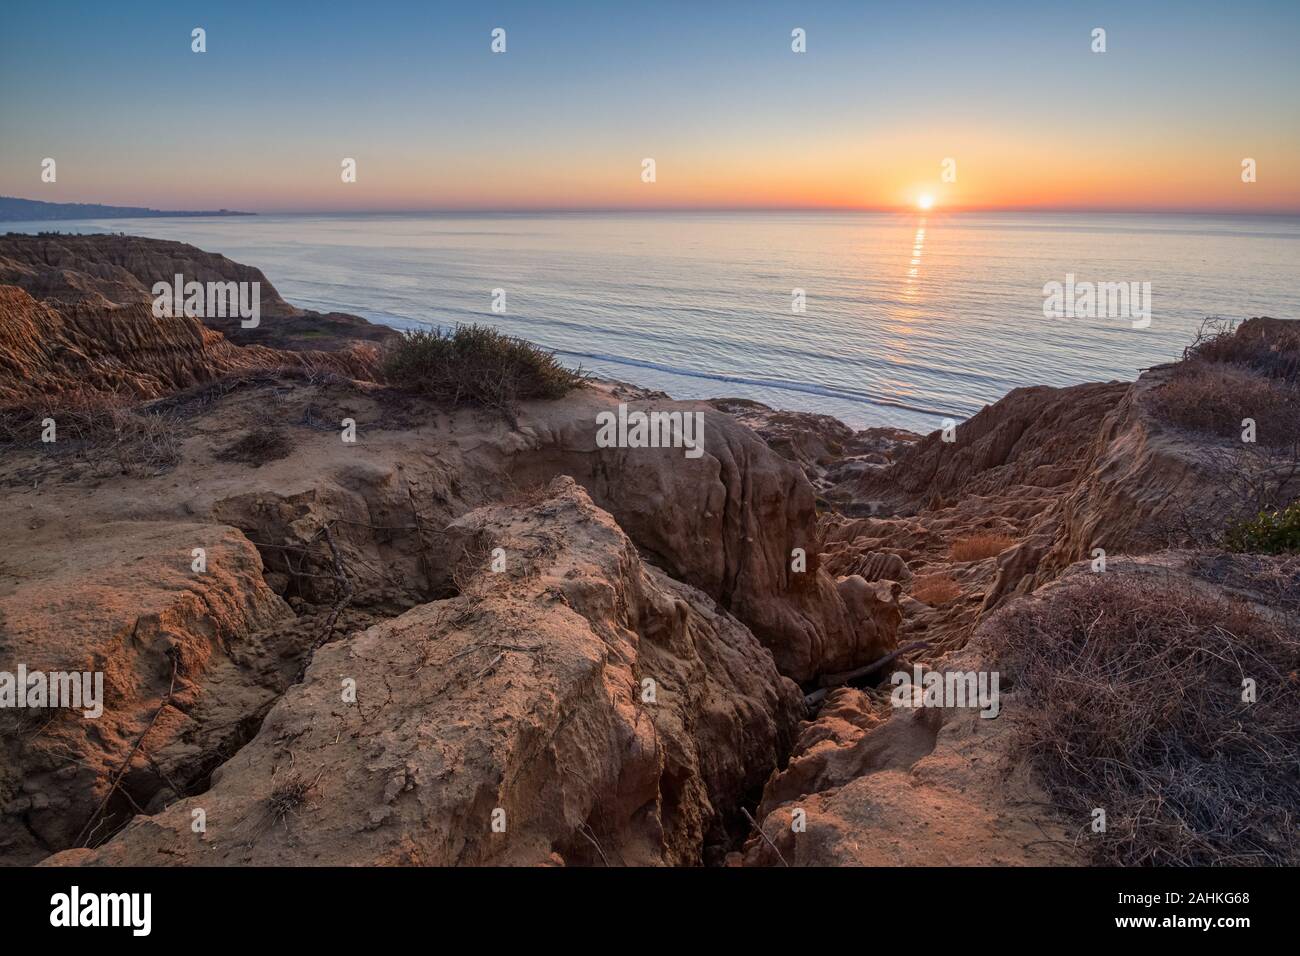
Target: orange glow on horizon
{"points": [[995, 170]]}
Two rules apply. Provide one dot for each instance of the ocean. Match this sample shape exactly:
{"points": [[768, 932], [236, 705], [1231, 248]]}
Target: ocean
{"points": [[905, 320]]}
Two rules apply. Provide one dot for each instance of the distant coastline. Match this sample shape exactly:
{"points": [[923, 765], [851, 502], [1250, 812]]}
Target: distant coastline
{"points": [[13, 209]]}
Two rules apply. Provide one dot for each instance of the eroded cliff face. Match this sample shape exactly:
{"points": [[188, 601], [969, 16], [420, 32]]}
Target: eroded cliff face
{"points": [[64, 346], [589, 707], [683, 575], [100, 270], [1054, 485], [467, 639], [121, 269], [120, 598]]}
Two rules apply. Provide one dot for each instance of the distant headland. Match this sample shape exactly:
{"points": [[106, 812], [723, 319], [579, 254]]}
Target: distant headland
{"points": [[13, 209]]}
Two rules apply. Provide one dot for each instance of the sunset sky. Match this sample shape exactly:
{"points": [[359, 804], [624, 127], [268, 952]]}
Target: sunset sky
{"points": [[886, 91]]}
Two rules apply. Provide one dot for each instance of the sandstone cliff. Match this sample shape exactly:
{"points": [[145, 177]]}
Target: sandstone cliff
{"points": [[199, 663], [465, 637], [65, 346], [121, 270]]}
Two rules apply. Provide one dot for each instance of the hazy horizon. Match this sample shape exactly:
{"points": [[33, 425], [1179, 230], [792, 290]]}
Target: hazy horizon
{"points": [[687, 210]]}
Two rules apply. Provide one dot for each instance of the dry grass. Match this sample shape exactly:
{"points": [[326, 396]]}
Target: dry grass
{"points": [[1131, 692], [1214, 399], [288, 797], [1234, 372], [976, 547], [935, 589], [472, 563], [1229, 374], [1270, 348], [106, 427]]}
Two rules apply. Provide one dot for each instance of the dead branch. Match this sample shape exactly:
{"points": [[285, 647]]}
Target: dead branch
{"points": [[843, 677], [345, 598], [766, 839], [121, 772]]}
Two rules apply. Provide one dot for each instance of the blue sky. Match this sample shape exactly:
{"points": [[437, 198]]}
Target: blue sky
{"points": [[711, 91]]}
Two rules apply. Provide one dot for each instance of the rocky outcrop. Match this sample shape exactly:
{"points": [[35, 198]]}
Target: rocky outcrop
{"points": [[122, 269], [1037, 436], [738, 522], [122, 599], [578, 707], [873, 785], [392, 503], [96, 270], [1148, 485], [127, 350], [833, 456]]}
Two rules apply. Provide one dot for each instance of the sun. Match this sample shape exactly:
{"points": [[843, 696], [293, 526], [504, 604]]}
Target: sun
{"points": [[924, 201]]}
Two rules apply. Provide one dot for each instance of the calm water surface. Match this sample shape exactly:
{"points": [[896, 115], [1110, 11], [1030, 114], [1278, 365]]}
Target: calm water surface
{"points": [[908, 318]]}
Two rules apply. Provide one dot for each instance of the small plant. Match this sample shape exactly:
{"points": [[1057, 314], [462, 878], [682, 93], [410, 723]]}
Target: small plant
{"points": [[1270, 532], [976, 547], [288, 797], [476, 365], [935, 589]]}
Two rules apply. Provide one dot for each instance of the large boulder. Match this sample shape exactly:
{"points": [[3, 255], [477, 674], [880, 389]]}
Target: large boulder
{"points": [[577, 706]]}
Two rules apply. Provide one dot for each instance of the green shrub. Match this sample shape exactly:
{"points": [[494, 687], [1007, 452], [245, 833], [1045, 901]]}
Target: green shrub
{"points": [[475, 365], [1271, 532]]}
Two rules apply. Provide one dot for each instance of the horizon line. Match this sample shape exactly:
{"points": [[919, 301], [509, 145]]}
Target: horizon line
{"points": [[561, 210]]}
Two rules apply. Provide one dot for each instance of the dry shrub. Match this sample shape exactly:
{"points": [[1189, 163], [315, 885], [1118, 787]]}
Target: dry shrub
{"points": [[935, 589], [1214, 399], [475, 365], [976, 547], [258, 447], [1269, 346], [105, 426], [288, 797], [1131, 693], [358, 361], [1234, 372], [474, 558], [1231, 373]]}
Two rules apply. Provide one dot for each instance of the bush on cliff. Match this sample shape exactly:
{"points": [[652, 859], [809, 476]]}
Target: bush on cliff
{"points": [[475, 365], [1134, 697], [1270, 532], [1235, 372], [1268, 346]]}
